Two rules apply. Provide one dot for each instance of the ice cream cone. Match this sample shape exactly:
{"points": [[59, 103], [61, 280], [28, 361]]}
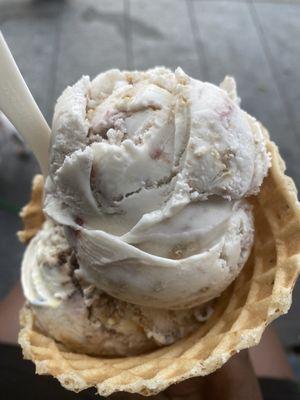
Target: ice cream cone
{"points": [[32, 214], [261, 293]]}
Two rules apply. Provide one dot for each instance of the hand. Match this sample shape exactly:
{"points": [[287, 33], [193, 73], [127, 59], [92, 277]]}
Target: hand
{"points": [[236, 380]]}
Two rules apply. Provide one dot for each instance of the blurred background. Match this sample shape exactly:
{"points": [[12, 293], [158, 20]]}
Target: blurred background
{"points": [[56, 42]]}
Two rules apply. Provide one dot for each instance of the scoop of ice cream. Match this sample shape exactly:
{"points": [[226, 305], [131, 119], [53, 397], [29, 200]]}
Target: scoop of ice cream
{"points": [[147, 174], [86, 320]]}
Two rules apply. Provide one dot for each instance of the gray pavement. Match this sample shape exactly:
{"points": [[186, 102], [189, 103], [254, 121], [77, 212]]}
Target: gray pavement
{"points": [[55, 42]]}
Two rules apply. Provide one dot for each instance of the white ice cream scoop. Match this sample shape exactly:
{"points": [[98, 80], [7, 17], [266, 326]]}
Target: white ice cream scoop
{"points": [[148, 173]]}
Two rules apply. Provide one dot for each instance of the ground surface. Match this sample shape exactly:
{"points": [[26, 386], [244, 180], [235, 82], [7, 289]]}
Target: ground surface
{"points": [[55, 42]]}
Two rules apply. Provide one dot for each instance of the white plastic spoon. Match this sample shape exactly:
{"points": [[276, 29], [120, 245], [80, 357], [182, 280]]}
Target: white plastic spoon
{"points": [[19, 106]]}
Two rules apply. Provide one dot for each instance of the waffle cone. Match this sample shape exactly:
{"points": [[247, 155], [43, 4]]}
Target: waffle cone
{"points": [[32, 214], [261, 293]]}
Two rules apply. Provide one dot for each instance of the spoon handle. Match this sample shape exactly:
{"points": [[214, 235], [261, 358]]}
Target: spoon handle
{"points": [[19, 106]]}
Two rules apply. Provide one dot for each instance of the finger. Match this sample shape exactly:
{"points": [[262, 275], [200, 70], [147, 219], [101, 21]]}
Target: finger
{"points": [[133, 396], [236, 380], [190, 389]]}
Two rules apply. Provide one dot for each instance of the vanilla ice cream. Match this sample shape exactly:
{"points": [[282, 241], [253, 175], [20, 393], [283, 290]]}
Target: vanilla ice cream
{"points": [[74, 312], [148, 172], [149, 175]]}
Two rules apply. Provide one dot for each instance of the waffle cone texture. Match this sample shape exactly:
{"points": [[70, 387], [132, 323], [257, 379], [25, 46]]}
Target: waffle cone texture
{"points": [[261, 293]]}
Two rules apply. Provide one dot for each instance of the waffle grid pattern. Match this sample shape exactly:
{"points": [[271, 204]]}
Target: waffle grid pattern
{"points": [[261, 293], [31, 214]]}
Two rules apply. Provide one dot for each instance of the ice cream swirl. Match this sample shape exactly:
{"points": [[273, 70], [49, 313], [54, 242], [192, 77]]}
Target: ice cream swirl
{"points": [[148, 174]]}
